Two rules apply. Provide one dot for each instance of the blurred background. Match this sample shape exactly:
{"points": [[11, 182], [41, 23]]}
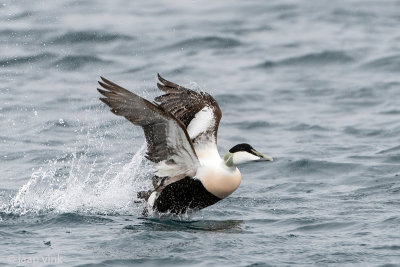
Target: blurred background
{"points": [[315, 84]]}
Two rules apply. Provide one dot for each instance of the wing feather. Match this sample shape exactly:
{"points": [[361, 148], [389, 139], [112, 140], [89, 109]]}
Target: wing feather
{"points": [[185, 104], [168, 143]]}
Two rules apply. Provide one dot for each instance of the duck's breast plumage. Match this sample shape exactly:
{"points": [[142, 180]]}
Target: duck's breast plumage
{"points": [[219, 180]]}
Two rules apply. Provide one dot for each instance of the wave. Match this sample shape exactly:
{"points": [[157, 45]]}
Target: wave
{"points": [[364, 132], [390, 112], [389, 63], [313, 166], [146, 261], [313, 59], [206, 42], [325, 227], [52, 125], [251, 124], [74, 218], [394, 220], [23, 15], [308, 127], [182, 224], [232, 99], [88, 37], [15, 61], [390, 150], [75, 62], [31, 35], [366, 92], [387, 247], [392, 159], [374, 190]]}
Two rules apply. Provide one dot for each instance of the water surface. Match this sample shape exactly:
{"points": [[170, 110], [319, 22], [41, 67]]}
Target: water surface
{"points": [[316, 85]]}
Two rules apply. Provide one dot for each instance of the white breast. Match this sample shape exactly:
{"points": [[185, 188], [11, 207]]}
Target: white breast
{"points": [[219, 180]]}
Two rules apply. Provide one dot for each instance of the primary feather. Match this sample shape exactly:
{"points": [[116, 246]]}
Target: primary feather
{"points": [[168, 143]]}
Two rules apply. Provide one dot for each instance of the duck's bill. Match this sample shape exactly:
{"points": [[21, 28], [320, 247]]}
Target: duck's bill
{"points": [[262, 156]]}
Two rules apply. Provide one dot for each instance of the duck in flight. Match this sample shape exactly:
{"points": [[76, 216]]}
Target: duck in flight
{"points": [[181, 128]]}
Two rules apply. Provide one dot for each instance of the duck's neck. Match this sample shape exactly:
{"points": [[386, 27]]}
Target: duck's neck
{"points": [[207, 153], [228, 159]]}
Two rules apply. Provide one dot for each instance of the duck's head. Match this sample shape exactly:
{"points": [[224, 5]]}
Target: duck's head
{"points": [[243, 153]]}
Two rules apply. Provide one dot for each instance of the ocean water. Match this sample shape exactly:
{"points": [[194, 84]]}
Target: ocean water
{"points": [[315, 84]]}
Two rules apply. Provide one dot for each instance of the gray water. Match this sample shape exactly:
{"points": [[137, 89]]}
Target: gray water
{"points": [[315, 84]]}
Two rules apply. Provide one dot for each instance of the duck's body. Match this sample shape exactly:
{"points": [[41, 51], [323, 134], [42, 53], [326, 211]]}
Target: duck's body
{"points": [[179, 197], [181, 134], [211, 184]]}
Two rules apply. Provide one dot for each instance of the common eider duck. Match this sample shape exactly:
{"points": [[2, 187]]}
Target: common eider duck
{"points": [[180, 128]]}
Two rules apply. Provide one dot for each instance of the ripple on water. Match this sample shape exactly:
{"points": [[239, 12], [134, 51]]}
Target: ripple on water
{"points": [[214, 42], [23, 34], [74, 218], [394, 220], [250, 124], [74, 62], [395, 159], [233, 99], [51, 125], [395, 149], [307, 127], [364, 132], [326, 167], [310, 59], [168, 261], [388, 63], [359, 93], [88, 37], [390, 112], [324, 227], [23, 60], [376, 190], [319, 208], [171, 224]]}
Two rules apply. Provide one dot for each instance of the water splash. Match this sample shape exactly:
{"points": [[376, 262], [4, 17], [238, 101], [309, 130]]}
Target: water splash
{"points": [[75, 185]]}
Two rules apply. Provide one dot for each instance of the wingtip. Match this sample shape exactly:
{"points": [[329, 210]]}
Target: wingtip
{"points": [[104, 100], [160, 86], [104, 79], [161, 79], [101, 79], [103, 92], [103, 85]]}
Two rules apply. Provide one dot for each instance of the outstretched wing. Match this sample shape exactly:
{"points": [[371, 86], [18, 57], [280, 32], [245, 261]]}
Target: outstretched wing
{"points": [[198, 111], [168, 143]]}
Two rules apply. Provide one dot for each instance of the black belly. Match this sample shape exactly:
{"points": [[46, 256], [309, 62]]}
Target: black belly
{"points": [[185, 194]]}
